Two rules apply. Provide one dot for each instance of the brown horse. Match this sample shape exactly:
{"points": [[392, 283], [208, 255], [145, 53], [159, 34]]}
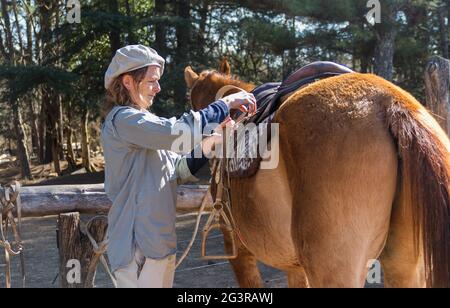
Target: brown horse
{"points": [[363, 174]]}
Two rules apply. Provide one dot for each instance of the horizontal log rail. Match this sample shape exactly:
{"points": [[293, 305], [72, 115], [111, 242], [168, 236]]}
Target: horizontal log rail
{"points": [[38, 201]]}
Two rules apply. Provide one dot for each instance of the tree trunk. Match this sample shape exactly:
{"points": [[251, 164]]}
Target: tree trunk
{"points": [[85, 148], [60, 128], [160, 28], [9, 146], [18, 32], [55, 156], [74, 245], [437, 83], [183, 30], [3, 51], [52, 135], [386, 33], [77, 148], [443, 29], [384, 55], [49, 127], [114, 34], [22, 151], [364, 64], [183, 35], [202, 28], [34, 131], [8, 33], [48, 154], [42, 131], [131, 36], [29, 49], [70, 155]]}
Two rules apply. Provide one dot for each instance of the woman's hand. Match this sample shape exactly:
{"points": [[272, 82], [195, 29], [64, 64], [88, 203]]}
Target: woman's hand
{"points": [[211, 144], [243, 101]]}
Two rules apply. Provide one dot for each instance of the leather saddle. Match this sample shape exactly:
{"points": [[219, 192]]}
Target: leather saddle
{"points": [[269, 99], [269, 95]]}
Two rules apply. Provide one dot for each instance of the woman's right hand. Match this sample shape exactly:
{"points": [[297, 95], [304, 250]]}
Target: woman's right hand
{"points": [[210, 144], [243, 101]]}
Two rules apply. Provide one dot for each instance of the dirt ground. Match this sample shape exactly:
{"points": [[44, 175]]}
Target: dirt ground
{"points": [[46, 175]]}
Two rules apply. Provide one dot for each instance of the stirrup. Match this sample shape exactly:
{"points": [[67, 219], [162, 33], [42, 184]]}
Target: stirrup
{"points": [[214, 223]]}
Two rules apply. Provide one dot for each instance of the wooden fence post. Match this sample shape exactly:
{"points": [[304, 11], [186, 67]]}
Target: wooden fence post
{"points": [[437, 84], [76, 253]]}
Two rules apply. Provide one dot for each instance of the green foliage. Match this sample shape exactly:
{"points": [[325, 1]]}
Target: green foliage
{"points": [[22, 79], [269, 34], [264, 40]]}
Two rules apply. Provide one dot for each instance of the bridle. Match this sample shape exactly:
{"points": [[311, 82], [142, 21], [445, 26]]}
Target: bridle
{"points": [[190, 92], [221, 216]]}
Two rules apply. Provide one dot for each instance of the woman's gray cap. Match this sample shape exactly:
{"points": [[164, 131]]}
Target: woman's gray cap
{"points": [[130, 58]]}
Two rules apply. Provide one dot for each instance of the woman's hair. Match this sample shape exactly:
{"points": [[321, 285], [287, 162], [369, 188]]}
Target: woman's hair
{"points": [[118, 95]]}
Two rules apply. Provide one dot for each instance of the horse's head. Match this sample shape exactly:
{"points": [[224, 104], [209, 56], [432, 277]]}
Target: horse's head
{"points": [[204, 87]]}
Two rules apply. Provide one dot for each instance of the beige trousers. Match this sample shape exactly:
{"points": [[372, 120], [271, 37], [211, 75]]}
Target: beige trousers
{"points": [[146, 273]]}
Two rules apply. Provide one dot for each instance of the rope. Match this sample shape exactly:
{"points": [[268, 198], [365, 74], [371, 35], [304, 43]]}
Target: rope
{"points": [[10, 201], [98, 248], [197, 225]]}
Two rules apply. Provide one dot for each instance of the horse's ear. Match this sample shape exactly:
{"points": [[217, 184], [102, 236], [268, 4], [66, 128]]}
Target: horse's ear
{"points": [[224, 67], [190, 76]]}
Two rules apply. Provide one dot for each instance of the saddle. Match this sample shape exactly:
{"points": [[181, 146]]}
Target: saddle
{"points": [[269, 99], [269, 95]]}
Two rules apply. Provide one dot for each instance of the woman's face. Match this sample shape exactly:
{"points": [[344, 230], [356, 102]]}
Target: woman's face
{"points": [[145, 91]]}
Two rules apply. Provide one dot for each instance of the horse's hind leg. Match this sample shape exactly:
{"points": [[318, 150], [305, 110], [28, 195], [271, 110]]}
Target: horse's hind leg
{"points": [[402, 264], [297, 278], [244, 266], [334, 254]]}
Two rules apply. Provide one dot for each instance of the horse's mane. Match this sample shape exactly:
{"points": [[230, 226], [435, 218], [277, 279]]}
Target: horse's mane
{"points": [[227, 79]]}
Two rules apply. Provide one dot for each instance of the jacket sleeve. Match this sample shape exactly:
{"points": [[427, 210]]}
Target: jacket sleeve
{"points": [[187, 167], [149, 131]]}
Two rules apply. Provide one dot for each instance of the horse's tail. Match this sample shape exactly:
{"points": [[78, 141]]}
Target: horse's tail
{"points": [[424, 151]]}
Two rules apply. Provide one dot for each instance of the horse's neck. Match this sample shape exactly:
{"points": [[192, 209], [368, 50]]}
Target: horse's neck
{"points": [[240, 84]]}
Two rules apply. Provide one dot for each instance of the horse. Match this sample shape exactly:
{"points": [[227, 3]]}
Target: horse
{"points": [[363, 175]]}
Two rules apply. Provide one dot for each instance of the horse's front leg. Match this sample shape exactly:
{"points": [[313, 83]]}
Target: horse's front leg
{"points": [[245, 265]]}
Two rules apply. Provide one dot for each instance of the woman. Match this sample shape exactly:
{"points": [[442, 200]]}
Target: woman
{"points": [[141, 171]]}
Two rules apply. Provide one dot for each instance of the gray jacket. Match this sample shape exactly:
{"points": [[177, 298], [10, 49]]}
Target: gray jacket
{"points": [[141, 175]]}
